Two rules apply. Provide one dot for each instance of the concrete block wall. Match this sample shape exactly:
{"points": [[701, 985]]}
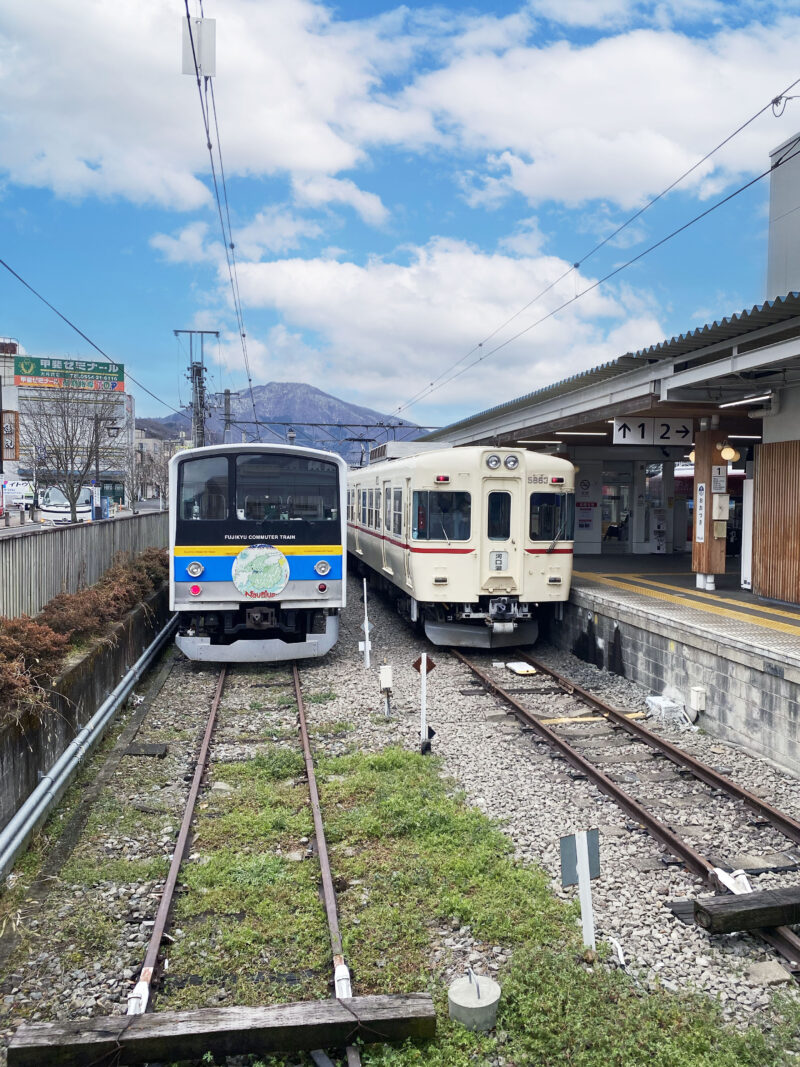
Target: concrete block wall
{"points": [[751, 699]]}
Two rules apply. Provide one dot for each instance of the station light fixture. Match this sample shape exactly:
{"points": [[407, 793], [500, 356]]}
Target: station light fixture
{"points": [[747, 400], [582, 433], [538, 442]]}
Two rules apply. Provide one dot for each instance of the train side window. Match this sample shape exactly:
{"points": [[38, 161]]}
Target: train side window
{"points": [[387, 510], [203, 492], [397, 514], [499, 517], [377, 509], [370, 508], [363, 507], [441, 516], [552, 517]]}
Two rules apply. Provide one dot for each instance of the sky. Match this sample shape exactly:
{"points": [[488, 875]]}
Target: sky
{"points": [[409, 188]]}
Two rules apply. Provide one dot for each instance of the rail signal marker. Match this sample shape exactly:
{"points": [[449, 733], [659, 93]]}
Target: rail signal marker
{"points": [[424, 664]]}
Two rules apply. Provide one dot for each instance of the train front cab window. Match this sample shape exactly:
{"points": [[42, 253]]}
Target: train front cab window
{"points": [[552, 517], [441, 516], [203, 492], [277, 487]]}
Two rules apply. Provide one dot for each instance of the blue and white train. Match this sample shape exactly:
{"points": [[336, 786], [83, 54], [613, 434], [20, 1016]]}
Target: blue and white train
{"points": [[257, 547]]}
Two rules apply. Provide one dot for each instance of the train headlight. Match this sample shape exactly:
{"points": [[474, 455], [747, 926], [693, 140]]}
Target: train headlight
{"points": [[195, 569], [493, 462], [322, 567], [512, 462]]}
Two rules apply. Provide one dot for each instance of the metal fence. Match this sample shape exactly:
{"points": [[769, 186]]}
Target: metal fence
{"points": [[35, 567]]}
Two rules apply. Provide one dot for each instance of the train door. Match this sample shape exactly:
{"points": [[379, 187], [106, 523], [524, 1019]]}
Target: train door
{"points": [[387, 526], [502, 536], [406, 536]]}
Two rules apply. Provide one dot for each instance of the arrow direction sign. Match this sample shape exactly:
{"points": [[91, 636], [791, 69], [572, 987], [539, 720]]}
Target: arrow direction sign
{"points": [[647, 431]]}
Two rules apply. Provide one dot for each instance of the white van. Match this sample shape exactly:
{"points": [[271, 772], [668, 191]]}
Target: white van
{"points": [[54, 506]]}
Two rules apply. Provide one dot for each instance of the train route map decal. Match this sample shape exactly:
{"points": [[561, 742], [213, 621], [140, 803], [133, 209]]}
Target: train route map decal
{"points": [[260, 571]]}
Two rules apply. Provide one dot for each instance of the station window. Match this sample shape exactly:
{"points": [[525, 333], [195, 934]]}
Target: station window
{"points": [[397, 512], [552, 517], [441, 516], [203, 492], [498, 526]]}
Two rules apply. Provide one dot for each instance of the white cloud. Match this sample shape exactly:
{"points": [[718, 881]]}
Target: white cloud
{"points": [[389, 329], [189, 246], [317, 191]]}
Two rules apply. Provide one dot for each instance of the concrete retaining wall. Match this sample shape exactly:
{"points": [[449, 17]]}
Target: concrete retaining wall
{"points": [[751, 699], [30, 749]]}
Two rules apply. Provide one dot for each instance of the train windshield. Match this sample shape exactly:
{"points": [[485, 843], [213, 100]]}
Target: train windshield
{"points": [[441, 516], [277, 486], [204, 488], [552, 517]]}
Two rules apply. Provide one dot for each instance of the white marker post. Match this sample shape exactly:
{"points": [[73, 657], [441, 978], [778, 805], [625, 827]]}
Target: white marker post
{"points": [[585, 888], [364, 646], [580, 862], [423, 701]]}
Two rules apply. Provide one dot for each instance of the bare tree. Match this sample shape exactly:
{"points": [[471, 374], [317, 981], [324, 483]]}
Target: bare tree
{"points": [[70, 432]]}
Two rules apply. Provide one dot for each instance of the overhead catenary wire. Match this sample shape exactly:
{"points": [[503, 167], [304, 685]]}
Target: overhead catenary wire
{"points": [[227, 239], [88, 339], [437, 382], [621, 267]]}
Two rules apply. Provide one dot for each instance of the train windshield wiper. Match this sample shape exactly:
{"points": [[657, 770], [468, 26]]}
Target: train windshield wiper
{"points": [[558, 535]]}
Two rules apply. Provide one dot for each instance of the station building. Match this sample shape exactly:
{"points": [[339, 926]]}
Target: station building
{"points": [[687, 553]]}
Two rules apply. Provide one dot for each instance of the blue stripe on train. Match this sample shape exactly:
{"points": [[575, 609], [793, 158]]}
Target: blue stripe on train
{"points": [[219, 568]]}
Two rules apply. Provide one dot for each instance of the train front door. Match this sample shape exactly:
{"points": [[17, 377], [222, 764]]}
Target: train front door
{"points": [[502, 537]]}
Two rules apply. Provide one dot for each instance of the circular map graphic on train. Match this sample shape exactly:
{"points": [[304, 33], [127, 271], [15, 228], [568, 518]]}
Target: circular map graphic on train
{"points": [[260, 571]]}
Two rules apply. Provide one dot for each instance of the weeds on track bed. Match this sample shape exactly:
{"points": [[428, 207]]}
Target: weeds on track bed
{"points": [[410, 859]]}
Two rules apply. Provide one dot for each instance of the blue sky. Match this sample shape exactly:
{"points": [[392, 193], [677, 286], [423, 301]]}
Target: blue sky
{"points": [[402, 180]]}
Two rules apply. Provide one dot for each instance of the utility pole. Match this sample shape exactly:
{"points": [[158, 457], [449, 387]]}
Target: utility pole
{"points": [[227, 427], [197, 376]]}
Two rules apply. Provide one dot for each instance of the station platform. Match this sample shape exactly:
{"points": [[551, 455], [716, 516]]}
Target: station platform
{"points": [[666, 585], [643, 617]]}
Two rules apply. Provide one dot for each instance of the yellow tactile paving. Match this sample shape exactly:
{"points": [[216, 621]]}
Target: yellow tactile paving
{"points": [[683, 601], [691, 593]]}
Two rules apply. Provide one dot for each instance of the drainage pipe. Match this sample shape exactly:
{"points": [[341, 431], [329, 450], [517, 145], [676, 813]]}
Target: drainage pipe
{"points": [[16, 834]]}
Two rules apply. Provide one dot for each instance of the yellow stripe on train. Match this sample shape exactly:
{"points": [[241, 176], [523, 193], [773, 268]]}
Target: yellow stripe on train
{"points": [[234, 550]]}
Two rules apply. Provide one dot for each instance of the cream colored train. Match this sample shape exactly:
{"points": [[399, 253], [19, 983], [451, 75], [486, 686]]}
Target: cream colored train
{"points": [[470, 541]]}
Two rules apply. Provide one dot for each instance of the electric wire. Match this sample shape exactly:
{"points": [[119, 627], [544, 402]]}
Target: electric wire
{"points": [[80, 332], [621, 267], [227, 240], [773, 103]]}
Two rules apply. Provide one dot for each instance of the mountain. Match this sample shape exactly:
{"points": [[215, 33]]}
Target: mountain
{"points": [[292, 404]]}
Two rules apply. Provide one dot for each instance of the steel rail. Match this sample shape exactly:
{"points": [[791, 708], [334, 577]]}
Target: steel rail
{"points": [[782, 938], [139, 998], [694, 861], [341, 973], [785, 823]]}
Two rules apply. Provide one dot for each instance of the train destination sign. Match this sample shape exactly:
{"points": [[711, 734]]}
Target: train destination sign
{"points": [[633, 430], [69, 374]]}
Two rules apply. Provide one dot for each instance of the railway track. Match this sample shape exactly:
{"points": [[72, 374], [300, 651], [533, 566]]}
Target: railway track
{"points": [[604, 724], [62, 1041]]}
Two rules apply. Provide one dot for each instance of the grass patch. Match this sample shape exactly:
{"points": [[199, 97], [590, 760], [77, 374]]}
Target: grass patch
{"points": [[322, 697], [411, 859]]}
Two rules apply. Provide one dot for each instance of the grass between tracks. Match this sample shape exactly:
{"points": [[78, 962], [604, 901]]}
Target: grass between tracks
{"points": [[411, 860]]}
